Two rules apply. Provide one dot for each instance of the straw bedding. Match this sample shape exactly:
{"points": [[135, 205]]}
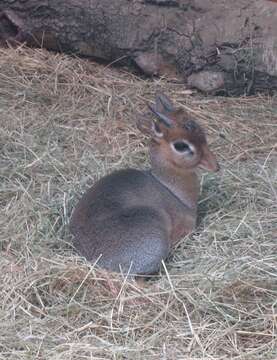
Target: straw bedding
{"points": [[66, 122]]}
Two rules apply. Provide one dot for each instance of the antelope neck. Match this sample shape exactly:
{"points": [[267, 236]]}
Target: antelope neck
{"points": [[183, 186]]}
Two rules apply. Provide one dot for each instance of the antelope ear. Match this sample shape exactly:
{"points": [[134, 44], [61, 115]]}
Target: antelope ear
{"points": [[157, 130], [150, 127], [163, 104], [161, 117]]}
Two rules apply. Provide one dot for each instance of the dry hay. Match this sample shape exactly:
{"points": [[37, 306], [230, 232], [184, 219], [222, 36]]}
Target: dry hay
{"points": [[64, 123]]}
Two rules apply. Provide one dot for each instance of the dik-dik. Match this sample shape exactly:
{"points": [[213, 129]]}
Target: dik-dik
{"points": [[129, 220]]}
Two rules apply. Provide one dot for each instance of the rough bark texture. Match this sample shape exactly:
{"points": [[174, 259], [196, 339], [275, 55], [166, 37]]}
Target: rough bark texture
{"points": [[225, 47]]}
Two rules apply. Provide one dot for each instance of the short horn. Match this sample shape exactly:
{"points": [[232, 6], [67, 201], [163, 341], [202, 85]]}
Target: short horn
{"points": [[165, 120], [165, 101]]}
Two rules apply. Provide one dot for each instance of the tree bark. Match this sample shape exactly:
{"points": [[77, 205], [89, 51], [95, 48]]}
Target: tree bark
{"points": [[221, 47]]}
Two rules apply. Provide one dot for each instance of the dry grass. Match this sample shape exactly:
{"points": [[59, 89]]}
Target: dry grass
{"points": [[66, 122]]}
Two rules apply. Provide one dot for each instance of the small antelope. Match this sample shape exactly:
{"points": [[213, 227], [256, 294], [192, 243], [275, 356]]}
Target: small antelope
{"points": [[129, 220]]}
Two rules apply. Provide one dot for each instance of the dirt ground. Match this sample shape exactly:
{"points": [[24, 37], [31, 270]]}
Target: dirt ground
{"points": [[66, 122]]}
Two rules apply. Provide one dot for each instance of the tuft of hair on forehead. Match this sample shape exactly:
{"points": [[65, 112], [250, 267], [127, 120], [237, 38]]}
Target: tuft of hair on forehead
{"points": [[191, 125], [193, 129], [185, 120]]}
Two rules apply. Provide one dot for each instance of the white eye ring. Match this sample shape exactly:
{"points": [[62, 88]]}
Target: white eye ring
{"points": [[183, 147]]}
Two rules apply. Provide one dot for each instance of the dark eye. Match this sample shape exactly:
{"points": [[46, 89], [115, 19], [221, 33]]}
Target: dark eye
{"points": [[182, 146]]}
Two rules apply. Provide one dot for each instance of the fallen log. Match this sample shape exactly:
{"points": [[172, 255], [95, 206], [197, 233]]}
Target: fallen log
{"points": [[219, 47]]}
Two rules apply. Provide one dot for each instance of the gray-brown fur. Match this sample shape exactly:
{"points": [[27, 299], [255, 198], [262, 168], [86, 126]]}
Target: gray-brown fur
{"points": [[130, 219]]}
